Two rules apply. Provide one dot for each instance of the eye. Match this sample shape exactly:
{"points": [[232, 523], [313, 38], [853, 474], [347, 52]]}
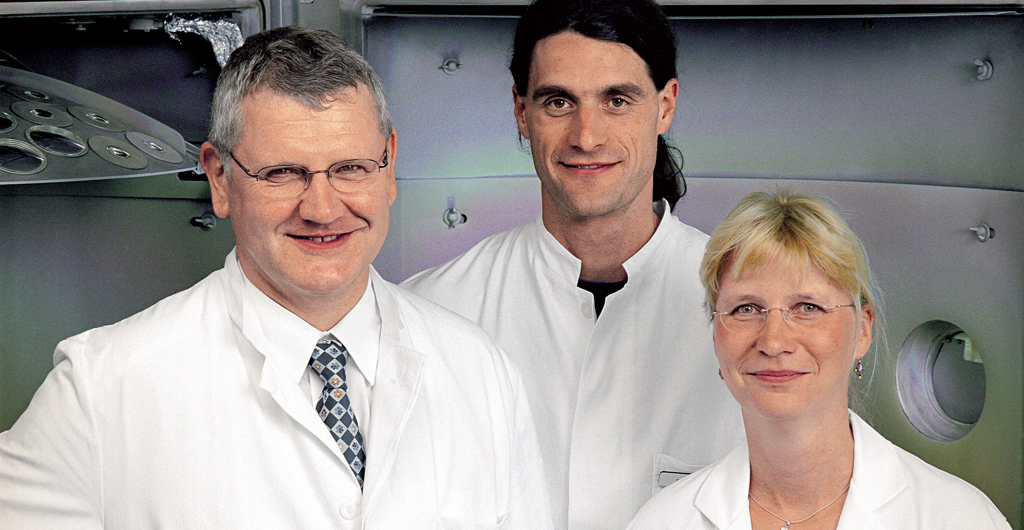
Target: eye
{"points": [[745, 310], [618, 102], [282, 174], [806, 309], [353, 169], [558, 106]]}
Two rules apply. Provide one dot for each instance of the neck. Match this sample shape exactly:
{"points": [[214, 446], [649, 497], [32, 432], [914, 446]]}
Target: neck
{"points": [[320, 310], [601, 243], [799, 465]]}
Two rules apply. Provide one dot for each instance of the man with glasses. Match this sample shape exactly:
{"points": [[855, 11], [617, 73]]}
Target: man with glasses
{"points": [[294, 388], [598, 300]]}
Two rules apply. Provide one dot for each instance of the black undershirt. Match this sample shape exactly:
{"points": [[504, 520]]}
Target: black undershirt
{"points": [[600, 290]]}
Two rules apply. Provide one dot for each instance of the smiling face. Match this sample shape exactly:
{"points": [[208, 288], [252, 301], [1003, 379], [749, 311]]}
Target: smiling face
{"points": [[310, 253], [783, 369], [593, 116]]}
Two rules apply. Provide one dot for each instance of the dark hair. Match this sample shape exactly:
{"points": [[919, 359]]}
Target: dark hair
{"points": [[639, 24]]}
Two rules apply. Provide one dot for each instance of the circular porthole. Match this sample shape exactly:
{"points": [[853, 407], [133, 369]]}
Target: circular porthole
{"points": [[940, 380], [56, 141], [20, 158], [7, 122]]}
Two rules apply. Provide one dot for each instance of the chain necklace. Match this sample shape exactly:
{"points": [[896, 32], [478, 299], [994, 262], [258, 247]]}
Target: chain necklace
{"points": [[786, 527]]}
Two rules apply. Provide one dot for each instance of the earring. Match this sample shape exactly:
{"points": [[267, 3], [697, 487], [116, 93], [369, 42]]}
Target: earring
{"points": [[859, 369]]}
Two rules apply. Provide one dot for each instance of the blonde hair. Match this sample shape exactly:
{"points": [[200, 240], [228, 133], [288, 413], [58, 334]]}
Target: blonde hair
{"points": [[791, 227]]}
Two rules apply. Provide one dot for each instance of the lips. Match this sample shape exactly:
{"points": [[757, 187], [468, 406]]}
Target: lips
{"points": [[317, 239], [586, 166], [323, 239], [776, 376]]}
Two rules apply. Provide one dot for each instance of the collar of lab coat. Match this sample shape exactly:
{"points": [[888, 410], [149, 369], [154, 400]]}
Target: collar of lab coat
{"points": [[877, 479], [554, 257], [398, 378]]}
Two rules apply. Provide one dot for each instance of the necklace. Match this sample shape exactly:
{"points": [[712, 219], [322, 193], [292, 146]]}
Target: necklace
{"points": [[786, 527]]}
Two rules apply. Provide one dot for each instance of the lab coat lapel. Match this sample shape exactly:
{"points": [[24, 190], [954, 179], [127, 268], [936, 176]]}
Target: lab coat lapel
{"points": [[398, 380], [263, 374], [723, 496], [877, 478]]}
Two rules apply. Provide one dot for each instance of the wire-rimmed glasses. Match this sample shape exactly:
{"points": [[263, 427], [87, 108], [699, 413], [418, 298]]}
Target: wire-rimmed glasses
{"points": [[347, 176], [750, 318]]}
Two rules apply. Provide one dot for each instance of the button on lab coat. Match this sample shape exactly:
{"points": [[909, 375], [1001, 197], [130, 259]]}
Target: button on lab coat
{"points": [[174, 419], [624, 403]]}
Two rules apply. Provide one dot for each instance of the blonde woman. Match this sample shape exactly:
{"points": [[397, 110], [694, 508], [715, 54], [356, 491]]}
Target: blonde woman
{"points": [[790, 291]]}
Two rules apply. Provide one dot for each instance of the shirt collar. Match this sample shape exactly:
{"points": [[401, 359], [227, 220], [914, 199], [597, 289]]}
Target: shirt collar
{"points": [[559, 260], [359, 331], [637, 261], [290, 340]]}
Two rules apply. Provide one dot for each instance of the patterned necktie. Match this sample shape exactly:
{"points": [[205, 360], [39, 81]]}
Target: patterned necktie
{"points": [[334, 407]]}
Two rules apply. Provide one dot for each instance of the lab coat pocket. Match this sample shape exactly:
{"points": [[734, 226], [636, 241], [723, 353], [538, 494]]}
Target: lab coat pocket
{"points": [[668, 470]]}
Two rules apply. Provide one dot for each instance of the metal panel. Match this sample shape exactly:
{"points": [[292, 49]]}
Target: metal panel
{"points": [[73, 263]]}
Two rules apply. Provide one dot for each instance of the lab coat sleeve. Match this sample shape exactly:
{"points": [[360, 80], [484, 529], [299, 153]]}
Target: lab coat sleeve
{"points": [[50, 469]]}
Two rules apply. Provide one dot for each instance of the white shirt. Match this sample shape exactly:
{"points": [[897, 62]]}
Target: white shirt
{"points": [[891, 489], [190, 415], [359, 331], [624, 403]]}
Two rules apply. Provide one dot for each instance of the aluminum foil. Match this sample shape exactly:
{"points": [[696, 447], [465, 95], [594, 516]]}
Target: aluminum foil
{"points": [[223, 35]]}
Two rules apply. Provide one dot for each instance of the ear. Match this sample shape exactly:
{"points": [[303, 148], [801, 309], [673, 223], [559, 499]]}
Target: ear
{"points": [[213, 165], [867, 321], [393, 150], [519, 109], [667, 105]]}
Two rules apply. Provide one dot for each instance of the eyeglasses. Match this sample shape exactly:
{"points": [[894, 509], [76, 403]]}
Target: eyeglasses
{"points": [[347, 176], [749, 318]]}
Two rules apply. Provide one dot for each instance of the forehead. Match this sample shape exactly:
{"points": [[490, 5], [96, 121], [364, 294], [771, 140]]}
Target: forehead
{"points": [[271, 119], [571, 60], [777, 277]]}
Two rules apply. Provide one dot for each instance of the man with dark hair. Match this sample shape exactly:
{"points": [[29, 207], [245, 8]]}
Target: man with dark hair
{"points": [[294, 388], [599, 300]]}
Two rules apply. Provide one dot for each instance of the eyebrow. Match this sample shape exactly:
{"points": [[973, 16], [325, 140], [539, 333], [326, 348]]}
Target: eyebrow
{"points": [[625, 89], [546, 91]]}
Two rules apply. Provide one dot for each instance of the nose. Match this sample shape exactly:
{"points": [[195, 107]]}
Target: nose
{"points": [[776, 334], [320, 202], [589, 129]]}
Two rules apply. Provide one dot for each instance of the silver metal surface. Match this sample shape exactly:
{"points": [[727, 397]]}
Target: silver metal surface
{"points": [[100, 125]]}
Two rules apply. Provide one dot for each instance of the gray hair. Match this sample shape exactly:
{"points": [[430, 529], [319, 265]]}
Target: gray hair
{"points": [[310, 65]]}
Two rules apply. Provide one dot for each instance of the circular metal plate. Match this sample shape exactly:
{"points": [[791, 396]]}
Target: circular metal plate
{"points": [[31, 94], [7, 122], [98, 119], [154, 147], [56, 141], [20, 158], [42, 113], [118, 152]]}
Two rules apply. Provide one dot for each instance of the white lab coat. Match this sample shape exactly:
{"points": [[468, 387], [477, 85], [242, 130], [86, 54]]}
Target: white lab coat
{"points": [[173, 419], [891, 489], [622, 403]]}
